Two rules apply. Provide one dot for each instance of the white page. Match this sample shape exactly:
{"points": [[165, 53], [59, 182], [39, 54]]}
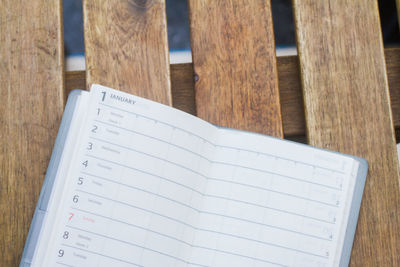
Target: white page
{"points": [[131, 194], [163, 188], [271, 202]]}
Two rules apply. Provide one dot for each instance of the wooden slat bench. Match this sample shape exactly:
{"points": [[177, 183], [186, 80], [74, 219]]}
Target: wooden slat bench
{"points": [[235, 80]]}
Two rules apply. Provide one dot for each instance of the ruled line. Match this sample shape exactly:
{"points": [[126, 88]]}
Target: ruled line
{"points": [[211, 213], [204, 176], [214, 196], [142, 247], [180, 259], [228, 147], [195, 228], [63, 264], [103, 255], [157, 139], [219, 180]]}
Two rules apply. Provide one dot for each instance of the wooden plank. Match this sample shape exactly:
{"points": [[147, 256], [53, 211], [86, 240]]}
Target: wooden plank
{"points": [[347, 109], [234, 60], [392, 56], [291, 96], [183, 87], [289, 87], [126, 47], [31, 89], [74, 80], [398, 10]]}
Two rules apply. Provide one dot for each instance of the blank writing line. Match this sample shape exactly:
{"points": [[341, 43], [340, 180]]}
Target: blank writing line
{"points": [[160, 140], [206, 177], [176, 258], [213, 196], [228, 147], [219, 180], [139, 246], [211, 213], [63, 264], [195, 246], [103, 255]]}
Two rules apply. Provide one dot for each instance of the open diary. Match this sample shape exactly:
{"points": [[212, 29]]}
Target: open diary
{"points": [[132, 182]]}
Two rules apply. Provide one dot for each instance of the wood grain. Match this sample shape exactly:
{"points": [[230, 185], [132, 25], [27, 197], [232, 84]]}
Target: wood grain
{"points": [[291, 96], [347, 108], [31, 90], [398, 10], [289, 86], [182, 82], [392, 56], [126, 47], [74, 80], [234, 60]]}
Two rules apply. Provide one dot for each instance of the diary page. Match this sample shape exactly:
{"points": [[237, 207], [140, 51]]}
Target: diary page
{"points": [[270, 202], [153, 186], [133, 193]]}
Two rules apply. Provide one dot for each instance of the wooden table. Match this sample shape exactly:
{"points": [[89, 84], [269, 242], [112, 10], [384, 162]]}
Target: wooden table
{"points": [[235, 80]]}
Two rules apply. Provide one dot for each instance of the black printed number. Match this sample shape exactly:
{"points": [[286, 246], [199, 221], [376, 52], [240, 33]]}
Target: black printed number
{"points": [[104, 95], [66, 235], [90, 146], [75, 199], [60, 253], [80, 181], [94, 129]]}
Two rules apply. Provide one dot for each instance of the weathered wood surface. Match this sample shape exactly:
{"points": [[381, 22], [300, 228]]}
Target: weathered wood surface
{"points": [[398, 10], [234, 62], [74, 80], [31, 90], [183, 87], [126, 47], [289, 86], [347, 108], [291, 96], [392, 56]]}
